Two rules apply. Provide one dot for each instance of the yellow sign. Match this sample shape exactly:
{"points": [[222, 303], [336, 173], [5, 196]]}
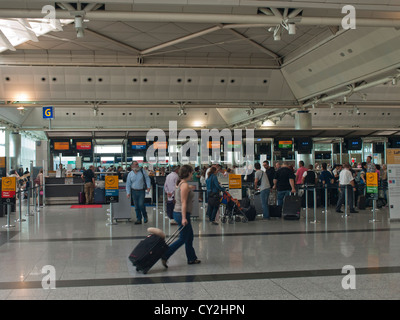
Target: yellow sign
{"points": [[372, 179], [111, 182], [235, 181], [8, 187]]}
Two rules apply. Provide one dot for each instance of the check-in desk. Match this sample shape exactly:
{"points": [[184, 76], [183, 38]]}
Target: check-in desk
{"points": [[63, 190]]}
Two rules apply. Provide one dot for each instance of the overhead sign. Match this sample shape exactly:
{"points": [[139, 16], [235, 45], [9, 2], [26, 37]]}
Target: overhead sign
{"points": [[83, 145], [48, 112], [8, 187]]}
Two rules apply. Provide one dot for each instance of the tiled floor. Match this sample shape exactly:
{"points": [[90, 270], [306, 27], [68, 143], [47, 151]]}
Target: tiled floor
{"points": [[266, 260]]}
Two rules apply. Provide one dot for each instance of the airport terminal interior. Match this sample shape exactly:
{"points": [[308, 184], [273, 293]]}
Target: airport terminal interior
{"points": [[307, 87]]}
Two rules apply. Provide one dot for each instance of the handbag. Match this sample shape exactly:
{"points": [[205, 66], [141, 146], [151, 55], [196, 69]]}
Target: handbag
{"points": [[214, 199], [272, 199]]}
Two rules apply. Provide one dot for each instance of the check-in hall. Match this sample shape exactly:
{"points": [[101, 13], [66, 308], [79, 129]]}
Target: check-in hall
{"points": [[199, 150]]}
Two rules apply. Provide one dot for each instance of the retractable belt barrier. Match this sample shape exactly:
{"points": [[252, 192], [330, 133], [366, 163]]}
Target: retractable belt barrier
{"points": [[20, 194]]}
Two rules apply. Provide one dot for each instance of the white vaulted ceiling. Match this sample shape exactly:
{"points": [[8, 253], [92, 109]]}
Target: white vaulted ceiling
{"points": [[141, 63]]}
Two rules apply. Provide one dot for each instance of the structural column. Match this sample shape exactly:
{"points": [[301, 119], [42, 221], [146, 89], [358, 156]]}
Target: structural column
{"points": [[303, 121], [15, 150]]}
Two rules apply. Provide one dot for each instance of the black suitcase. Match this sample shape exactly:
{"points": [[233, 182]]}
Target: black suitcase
{"points": [[150, 250], [291, 207], [250, 213], [362, 202], [275, 211], [81, 198]]}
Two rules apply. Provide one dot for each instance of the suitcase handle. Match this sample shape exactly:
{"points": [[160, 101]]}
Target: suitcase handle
{"points": [[174, 235]]}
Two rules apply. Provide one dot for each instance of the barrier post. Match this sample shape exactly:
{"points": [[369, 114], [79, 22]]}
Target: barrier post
{"points": [[8, 225], [28, 206], [111, 223], [373, 212], [345, 202], [315, 206], [306, 203], [20, 208]]}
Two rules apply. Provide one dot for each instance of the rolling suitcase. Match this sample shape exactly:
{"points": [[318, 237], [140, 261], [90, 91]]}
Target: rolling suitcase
{"points": [[275, 211], [99, 196], [362, 202], [257, 203], [81, 198], [291, 207], [250, 213], [150, 250]]}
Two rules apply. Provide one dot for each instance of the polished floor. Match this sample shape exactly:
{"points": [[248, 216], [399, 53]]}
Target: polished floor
{"points": [[258, 260]]}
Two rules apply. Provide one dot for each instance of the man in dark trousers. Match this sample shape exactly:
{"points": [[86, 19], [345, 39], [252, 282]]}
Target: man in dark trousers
{"points": [[88, 178], [137, 183]]}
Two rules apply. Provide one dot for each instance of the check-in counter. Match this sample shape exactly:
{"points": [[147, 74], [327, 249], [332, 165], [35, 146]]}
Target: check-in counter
{"points": [[63, 190]]}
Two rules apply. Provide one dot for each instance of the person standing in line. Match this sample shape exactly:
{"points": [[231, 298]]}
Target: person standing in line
{"points": [[137, 183], [213, 189], [346, 184], [264, 187], [169, 188], [299, 174], [370, 165], [183, 206], [284, 182], [270, 171], [88, 178]]}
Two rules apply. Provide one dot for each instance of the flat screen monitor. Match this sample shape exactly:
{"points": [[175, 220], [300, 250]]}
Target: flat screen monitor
{"points": [[61, 145], [83, 145], [285, 144], [138, 145], [354, 144]]}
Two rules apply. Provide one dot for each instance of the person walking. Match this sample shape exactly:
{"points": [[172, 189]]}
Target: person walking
{"points": [[137, 183], [183, 206]]}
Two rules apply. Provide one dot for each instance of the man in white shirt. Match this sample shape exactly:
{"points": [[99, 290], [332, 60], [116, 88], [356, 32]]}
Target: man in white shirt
{"points": [[169, 188], [346, 184]]}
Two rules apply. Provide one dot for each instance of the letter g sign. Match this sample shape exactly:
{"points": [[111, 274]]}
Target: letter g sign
{"points": [[48, 113]]}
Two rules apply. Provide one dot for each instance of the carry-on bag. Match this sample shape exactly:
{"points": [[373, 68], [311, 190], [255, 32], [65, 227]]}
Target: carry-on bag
{"points": [[291, 207], [275, 211], [151, 249], [362, 202], [250, 213], [257, 203], [81, 198]]}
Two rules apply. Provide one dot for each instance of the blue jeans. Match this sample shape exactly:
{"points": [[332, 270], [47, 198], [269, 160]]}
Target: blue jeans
{"points": [[281, 195], [212, 212], [138, 200], [185, 238], [264, 194]]}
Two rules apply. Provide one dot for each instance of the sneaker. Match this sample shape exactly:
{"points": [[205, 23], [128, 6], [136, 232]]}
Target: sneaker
{"points": [[339, 211], [353, 211], [214, 223], [138, 222], [145, 220], [194, 262]]}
